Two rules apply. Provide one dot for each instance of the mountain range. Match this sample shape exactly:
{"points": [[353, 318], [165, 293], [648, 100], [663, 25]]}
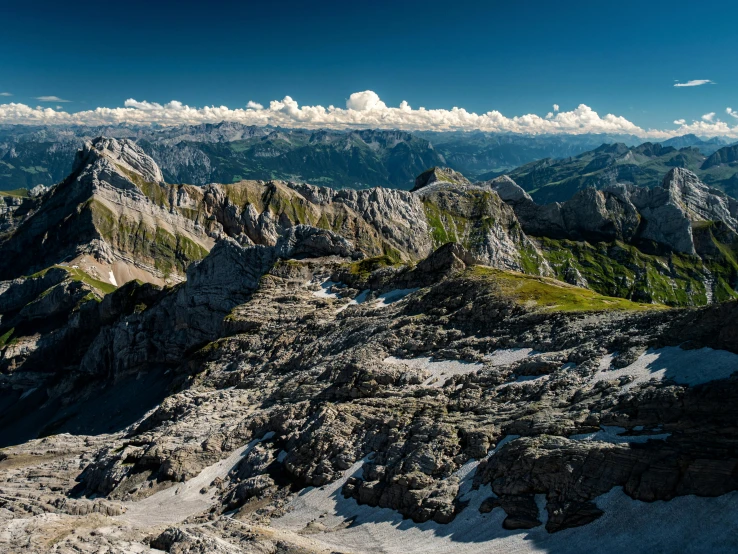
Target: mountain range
{"points": [[550, 180], [229, 152], [275, 366]]}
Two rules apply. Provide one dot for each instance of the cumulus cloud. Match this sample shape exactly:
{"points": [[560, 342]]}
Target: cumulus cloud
{"points": [[556, 107], [707, 129], [51, 99], [363, 110], [708, 116], [5, 94], [731, 112], [365, 101], [695, 83], [680, 121]]}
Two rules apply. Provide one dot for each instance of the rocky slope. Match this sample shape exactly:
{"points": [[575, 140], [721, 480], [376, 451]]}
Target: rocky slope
{"points": [[289, 398]]}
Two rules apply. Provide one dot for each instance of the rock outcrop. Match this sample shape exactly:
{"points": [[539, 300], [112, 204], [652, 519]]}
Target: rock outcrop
{"points": [[663, 215]]}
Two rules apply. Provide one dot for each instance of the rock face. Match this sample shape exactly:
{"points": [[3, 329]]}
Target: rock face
{"points": [[724, 156], [126, 154], [333, 352], [663, 215]]}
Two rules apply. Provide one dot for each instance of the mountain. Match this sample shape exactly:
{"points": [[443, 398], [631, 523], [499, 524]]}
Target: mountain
{"points": [[707, 147], [724, 156], [227, 152], [644, 165], [477, 153], [282, 367]]}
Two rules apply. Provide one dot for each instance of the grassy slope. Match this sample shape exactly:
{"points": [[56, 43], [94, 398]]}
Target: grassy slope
{"points": [[79, 275], [17, 193], [552, 295]]}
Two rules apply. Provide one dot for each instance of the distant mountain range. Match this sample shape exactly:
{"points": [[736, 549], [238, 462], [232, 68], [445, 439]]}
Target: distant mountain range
{"points": [[550, 180], [550, 167]]}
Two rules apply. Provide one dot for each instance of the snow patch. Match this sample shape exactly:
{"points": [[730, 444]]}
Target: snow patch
{"points": [[507, 356], [361, 297], [390, 297], [28, 393], [440, 370], [183, 500], [111, 278], [325, 290], [684, 367], [684, 524], [613, 434]]}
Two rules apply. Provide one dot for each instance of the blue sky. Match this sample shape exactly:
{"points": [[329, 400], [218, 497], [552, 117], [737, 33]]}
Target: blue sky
{"points": [[518, 58]]}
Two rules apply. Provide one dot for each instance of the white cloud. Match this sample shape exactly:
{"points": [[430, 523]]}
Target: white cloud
{"points": [[708, 129], [556, 107], [363, 110], [365, 102], [51, 99], [695, 83], [5, 94], [708, 116], [731, 112]]}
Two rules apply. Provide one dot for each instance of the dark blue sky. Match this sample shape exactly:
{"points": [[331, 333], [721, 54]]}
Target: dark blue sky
{"points": [[517, 57]]}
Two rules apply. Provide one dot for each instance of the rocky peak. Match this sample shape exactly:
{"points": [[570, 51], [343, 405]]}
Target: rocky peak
{"points": [[509, 190], [726, 155], [700, 201], [442, 175], [124, 153]]}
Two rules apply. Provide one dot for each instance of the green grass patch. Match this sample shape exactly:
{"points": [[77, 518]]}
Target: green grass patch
{"points": [[551, 295], [364, 268], [76, 275], [16, 193], [6, 337], [621, 270], [79, 275]]}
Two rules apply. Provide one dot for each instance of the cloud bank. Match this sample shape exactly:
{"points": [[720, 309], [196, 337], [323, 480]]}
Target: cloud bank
{"points": [[695, 83], [363, 110]]}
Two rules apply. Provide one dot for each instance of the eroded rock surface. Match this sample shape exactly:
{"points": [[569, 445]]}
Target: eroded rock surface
{"points": [[288, 367]]}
